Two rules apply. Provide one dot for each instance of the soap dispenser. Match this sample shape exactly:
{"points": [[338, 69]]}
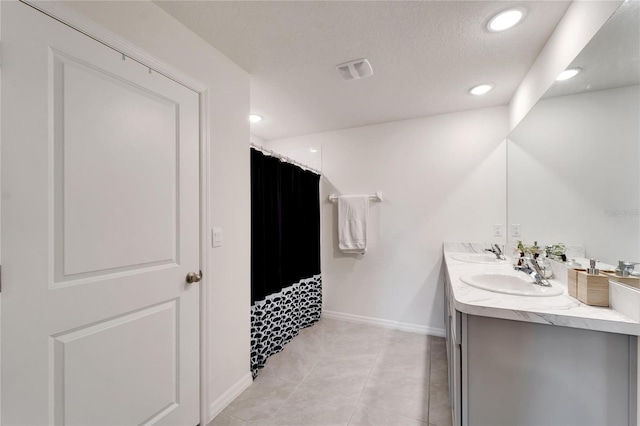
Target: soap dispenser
{"points": [[593, 287]]}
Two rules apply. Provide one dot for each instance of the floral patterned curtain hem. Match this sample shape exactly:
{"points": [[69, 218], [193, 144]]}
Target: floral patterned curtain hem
{"points": [[279, 317]]}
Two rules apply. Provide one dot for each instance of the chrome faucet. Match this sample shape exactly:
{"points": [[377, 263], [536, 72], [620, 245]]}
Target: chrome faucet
{"points": [[495, 249], [532, 269], [625, 269]]}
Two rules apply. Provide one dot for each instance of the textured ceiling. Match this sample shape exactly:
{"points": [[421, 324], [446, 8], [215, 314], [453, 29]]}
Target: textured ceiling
{"points": [[612, 57], [425, 56]]}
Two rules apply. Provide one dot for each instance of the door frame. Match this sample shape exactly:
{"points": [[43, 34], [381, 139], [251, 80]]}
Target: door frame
{"points": [[97, 32]]}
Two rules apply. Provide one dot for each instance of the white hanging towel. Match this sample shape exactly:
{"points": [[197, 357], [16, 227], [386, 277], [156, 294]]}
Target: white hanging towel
{"points": [[353, 213]]}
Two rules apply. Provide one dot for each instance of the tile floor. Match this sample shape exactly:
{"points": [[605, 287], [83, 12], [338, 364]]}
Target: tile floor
{"points": [[342, 373]]}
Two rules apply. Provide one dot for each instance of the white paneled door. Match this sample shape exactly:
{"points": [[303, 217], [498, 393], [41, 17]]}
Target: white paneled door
{"points": [[100, 227]]}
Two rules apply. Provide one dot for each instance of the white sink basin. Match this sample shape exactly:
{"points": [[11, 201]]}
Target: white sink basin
{"points": [[478, 258], [520, 284]]}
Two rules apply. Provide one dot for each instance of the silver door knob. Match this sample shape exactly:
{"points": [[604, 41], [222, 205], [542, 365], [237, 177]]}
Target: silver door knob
{"points": [[192, 277]]}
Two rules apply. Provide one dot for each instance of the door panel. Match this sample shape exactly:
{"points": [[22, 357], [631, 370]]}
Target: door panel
{"points": [[100, 226], [116, 146], [90, 378]]}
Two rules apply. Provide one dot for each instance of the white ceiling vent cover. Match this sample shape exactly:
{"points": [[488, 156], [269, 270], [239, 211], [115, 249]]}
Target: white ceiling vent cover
{"points": [[353, 70]]}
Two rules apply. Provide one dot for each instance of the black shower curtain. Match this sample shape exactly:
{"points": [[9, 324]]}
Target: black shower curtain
{"points": [[286, 285]]}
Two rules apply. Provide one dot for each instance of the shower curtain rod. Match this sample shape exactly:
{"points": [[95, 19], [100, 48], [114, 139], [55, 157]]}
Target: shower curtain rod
{"points": [[284, 158]]}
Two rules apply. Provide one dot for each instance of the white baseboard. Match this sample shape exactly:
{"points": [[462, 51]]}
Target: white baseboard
{"points": [[396, 325], [232, 393]]}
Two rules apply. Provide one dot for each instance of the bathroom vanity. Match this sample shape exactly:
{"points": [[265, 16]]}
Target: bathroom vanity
{"points": [[534, 359]]}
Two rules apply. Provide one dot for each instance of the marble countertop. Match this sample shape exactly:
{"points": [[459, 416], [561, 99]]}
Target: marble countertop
{"points": [[562, 310]]}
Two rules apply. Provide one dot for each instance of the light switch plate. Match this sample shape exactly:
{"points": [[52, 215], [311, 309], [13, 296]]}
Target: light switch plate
{"points": [[497, 230], [515, 229], [216, 237]]}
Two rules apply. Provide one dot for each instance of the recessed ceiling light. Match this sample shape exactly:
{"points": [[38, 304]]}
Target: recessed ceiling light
{"points": [[568, 73], [255, 118], [505, 19], [481, 89]]}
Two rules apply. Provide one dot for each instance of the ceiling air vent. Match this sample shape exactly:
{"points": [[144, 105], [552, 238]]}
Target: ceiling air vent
{"points": [[353, 70]]}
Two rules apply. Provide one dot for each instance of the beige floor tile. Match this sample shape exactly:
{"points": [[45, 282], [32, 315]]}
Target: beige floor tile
{"points": [[438, 355], [321, 401], [406, 395], [358, 340], [337, 371], [350, 346], [439, 377], [438, 350], [364, 415], [292, 364], [332, 326], [371, 330], [404, 362], [401, 340], [341, 367], [439, 408], [261, 400], [314, 339], [438, 345], [439, 370], [223, 419]]}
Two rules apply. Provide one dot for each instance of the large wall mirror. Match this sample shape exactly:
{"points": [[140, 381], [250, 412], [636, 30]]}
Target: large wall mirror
{"points": [[573, 161]]}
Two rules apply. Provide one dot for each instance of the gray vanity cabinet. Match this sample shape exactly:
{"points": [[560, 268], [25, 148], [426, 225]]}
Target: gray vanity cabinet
{"points": [[452, 319], [504, 372]]}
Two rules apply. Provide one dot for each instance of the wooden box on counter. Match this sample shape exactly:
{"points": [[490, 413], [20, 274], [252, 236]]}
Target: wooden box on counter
{"points": [[593, 289], [572, 281], [632, 281]]}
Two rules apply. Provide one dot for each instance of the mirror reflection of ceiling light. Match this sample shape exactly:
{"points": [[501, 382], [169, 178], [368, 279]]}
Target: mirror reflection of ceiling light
{"points": [[568, 73], [255, 118], [481, 89], [313, 150], [505, 20]]}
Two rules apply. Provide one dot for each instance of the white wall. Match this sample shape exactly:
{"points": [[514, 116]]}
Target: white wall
{"points": [[442, 178], [573, 173], [580, 23], [256, 140], [153, 30]]}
